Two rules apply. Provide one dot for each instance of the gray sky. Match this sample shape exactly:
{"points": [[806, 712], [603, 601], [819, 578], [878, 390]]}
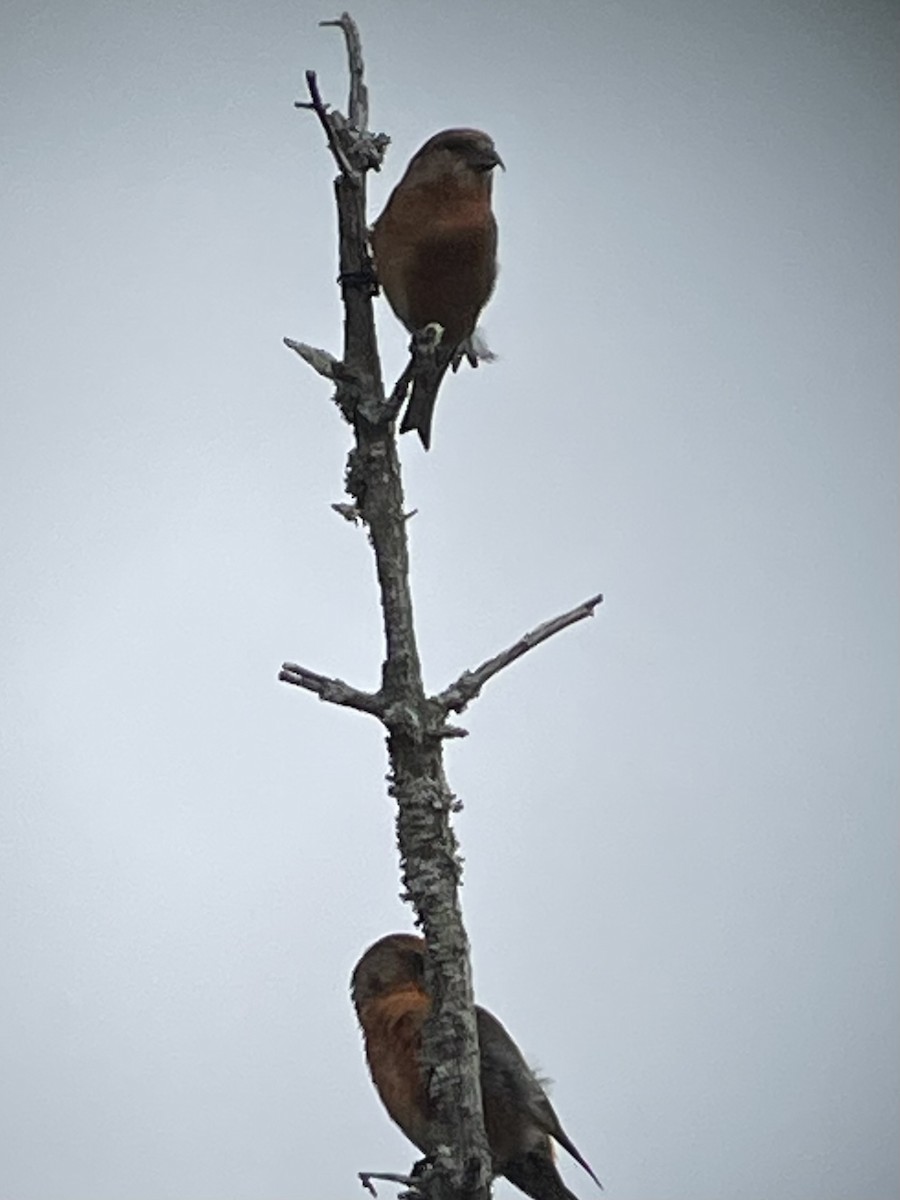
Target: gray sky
{"points": [[680, 818]]}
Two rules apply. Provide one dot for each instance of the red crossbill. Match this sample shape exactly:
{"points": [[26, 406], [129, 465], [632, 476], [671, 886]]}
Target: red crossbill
{"points": [[388, 991], [435, 250]]}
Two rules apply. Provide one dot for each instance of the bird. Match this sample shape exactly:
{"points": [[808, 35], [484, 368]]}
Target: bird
{"points": [[388, 992], [435, 253]]}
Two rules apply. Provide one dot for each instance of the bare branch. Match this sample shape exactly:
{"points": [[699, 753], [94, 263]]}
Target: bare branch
{"points": [[320, 360], [452, 731], [334, 691], [366, 1177], [398, 396], [358, 106], [349, 512], [328, 124], [465, 689]]}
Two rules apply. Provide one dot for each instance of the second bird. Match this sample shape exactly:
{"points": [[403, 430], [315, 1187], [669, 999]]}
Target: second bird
{"points": [[388, 990], [435, 249]]}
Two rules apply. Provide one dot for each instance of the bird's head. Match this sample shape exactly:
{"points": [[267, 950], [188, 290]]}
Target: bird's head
{"points": [[457, 151], [394, 961]]}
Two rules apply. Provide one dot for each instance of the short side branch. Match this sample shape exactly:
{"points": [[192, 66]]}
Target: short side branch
{"points": [[467, 688], [320, 109], [333, 691], [321, 361], [366, 1177]]}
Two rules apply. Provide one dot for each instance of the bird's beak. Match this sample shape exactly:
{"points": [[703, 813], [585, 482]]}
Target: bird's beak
{"points": [[489, 159]]}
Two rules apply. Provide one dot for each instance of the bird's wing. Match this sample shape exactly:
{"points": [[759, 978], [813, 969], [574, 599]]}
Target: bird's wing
{"points": [[514, 1080]]}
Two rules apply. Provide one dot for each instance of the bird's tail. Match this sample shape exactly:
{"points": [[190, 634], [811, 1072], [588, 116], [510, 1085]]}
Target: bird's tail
{"points": [[567, 1144], [420, 410], [535, 1174]]}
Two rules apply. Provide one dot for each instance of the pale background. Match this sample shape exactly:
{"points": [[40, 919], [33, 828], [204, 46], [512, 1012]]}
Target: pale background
{"points": [[680, 818]]}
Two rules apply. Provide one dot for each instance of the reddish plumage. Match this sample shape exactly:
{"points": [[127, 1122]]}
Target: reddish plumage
{"points": [[435, 250], [388, 990]]}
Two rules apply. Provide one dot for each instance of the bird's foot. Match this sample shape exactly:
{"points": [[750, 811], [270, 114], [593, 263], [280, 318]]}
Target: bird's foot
{"points": [[426, 340], [474, 350]]}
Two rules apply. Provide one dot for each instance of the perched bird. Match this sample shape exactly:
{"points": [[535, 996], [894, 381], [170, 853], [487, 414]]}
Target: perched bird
{"points": [[388, 991], [435, 250]]}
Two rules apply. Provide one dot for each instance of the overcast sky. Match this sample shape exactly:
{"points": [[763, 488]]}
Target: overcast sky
{"points": [[680, 817]]}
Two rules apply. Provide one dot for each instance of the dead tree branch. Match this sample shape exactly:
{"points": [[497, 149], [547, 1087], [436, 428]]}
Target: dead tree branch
{"points": [[464, 690], [366, 1178], [429, 856], [334, 691], [321, 361]]}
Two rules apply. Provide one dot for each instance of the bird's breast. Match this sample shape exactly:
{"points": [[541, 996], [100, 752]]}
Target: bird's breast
{"points": [[435, 250], [392, 1027]]}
